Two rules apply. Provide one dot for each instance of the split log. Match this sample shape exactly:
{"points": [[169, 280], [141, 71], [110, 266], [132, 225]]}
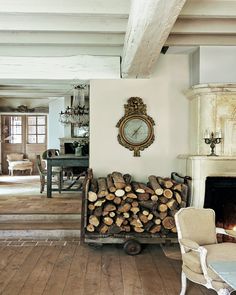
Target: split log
{"points": [[154, 198], [117, 200], [165, 182], [168, 193], [149, 205], [91, 207], [155, 229], [135, 210], [103, 229], [146, 189], [174, 230], [131, 196], [102, 187], [143, 218], [150, 216], [148, 226], [108, 220], [134, 204], [126, 228], [172, 204], [110, 197], [137, 188], [168, 222], [94, 185], [92, 196], [114, 229], [124, 208], [138, 229], [90, 228], [126, 214], [98, 212], [136, 222], [112, 214], [178, 197], [119, 192], [163, 199], [99, 203], [94, 220], [162, 208], [110, 185], [155, 185], [143, 196], [119, 220], [157, 221], [109, 207], [127, 179], [145, 212], [118, 180]]}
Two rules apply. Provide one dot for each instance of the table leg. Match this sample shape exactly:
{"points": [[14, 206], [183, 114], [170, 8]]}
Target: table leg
{"points": [[49, 179]]}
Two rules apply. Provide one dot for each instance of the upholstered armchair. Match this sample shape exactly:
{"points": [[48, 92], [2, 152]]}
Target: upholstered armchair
{"points": [[199, 248], [16, 161]]}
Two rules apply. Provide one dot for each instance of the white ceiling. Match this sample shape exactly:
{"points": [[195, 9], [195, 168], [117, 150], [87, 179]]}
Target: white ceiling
{"points": [[102, 28]]}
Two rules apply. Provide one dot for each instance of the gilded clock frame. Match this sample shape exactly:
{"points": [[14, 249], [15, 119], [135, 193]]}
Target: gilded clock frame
{"points": [[135, 109]]}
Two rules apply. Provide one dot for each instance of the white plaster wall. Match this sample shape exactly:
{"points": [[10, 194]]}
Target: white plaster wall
{"points": [[55, 128], [217, 64], [166, 103]]}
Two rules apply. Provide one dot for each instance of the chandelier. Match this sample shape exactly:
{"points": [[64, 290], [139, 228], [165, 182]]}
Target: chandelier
{"points": [[77, 113]]}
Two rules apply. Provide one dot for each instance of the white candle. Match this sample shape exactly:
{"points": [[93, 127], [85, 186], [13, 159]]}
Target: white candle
{"points": [[207, 134]]}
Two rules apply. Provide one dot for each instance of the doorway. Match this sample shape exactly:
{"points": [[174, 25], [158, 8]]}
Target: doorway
{"points": [[25, 134]]}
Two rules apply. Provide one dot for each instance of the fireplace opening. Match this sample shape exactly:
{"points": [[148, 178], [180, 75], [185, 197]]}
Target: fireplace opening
{"points": [[220, 195]]}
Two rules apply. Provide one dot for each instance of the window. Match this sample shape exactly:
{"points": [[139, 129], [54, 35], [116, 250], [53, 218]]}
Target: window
{"points": [[12, 129], [36, 129]]}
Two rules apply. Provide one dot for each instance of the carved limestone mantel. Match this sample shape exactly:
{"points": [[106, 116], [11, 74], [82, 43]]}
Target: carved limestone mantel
{"points": [[199, 168], [212, 107]]}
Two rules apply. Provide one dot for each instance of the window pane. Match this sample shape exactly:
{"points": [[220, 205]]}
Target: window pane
{"points": [[41, 138], [32, 139], [15, 139], [41, 120], [41, 129], [32, 129], [32, 120]]}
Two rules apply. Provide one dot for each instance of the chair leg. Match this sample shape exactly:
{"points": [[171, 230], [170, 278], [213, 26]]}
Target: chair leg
{"points": [[183, 283], [42, 184]]}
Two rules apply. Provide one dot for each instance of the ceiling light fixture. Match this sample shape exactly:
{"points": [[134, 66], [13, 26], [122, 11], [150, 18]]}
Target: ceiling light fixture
{"points": [[78, 112]]}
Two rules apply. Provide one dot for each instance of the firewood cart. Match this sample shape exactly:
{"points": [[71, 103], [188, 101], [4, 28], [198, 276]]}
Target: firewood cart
{"points": [[132, 241]]}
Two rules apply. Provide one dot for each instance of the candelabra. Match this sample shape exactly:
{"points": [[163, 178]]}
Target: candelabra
{"points": [[212, 139]]}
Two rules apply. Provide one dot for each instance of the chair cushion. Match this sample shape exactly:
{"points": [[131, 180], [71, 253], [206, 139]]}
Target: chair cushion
{"points": [[215, 252], [20, 164], [198, 225], [15, 157]]}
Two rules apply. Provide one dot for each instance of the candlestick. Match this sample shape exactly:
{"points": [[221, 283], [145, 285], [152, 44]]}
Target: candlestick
{"points": [[212, 141]]}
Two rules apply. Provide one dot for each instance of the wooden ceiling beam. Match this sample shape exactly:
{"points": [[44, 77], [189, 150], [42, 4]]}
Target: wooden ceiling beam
{"points": [[209, 9], [149, 25]]}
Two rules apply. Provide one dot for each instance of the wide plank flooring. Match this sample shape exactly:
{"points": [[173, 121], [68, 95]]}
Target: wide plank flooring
{"points": [[81, 269]]}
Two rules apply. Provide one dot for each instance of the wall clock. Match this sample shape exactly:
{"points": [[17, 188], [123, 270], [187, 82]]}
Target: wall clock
{"points": [[136, 128]]}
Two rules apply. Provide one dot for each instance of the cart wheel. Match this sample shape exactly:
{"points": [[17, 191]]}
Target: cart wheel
{"points": [[132, 247]]}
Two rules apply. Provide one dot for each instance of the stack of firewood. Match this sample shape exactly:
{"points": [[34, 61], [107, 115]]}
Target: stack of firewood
{"points": [[118, 204]]}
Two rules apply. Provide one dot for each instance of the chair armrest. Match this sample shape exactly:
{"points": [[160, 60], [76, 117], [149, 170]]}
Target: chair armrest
{"points": [[189, 244], [227, 232]]}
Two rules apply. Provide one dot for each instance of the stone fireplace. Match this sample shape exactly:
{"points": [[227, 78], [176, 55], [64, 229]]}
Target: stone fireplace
{"points": [[212, 108]]}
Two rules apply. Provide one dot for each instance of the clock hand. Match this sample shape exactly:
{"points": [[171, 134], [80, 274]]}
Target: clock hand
{"points": [[136, 130]]}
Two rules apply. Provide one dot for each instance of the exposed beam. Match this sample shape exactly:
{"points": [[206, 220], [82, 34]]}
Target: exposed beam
{"points": [[83, 67], [209, 9], [53, 22], [205, 26], [149, 25], [59, 50], [71, 38], [66, 6], [201, 40]]}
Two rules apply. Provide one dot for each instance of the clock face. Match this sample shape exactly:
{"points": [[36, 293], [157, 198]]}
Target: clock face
{"points": [[136, 131]]}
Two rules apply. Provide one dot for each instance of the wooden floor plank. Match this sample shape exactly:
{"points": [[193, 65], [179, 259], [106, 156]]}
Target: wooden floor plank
{"points": [[130, 275], [150, 278], [111, 275], [92, 281], [22, 274], [38, 278], [76, 278], [56, 282], [165, 269], [13, 266]]}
